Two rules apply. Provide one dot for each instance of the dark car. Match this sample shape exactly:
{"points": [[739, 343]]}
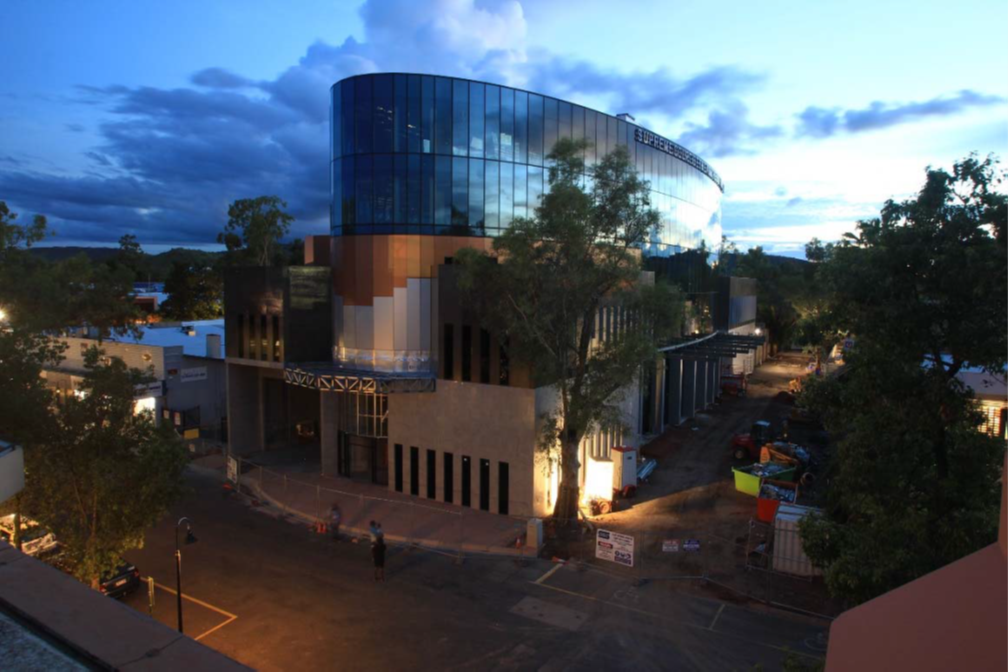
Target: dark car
{"points": [[121, 582]]}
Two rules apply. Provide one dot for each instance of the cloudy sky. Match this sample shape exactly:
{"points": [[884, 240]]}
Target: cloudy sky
{"points": [[149, 118]]}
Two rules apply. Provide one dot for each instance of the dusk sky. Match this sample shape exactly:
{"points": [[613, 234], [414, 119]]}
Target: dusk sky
{"points": [[149, 118]]}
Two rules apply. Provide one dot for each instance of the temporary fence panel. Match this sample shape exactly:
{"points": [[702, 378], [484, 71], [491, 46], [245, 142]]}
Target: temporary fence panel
{"points": [[788, 551]]}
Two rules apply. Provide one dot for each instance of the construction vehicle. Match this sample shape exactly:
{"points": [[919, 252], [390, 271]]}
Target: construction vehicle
{"points": [[748, 445]]}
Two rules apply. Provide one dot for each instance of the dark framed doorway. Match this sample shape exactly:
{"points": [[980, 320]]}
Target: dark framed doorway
{"points": [[363, 458]]}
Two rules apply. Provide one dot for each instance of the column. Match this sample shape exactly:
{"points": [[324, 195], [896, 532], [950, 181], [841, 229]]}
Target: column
{"points": [[329, 432], [673, 390], [689, 389]]}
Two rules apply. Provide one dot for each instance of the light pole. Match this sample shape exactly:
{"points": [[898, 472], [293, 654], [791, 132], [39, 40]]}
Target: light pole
{"points": [[190, 538]]}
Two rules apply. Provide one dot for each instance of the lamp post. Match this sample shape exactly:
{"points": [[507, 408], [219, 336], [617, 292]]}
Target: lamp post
{"points": [[190, 538]]}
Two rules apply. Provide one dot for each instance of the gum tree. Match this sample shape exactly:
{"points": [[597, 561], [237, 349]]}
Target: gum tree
{"points": [[545, 283]]}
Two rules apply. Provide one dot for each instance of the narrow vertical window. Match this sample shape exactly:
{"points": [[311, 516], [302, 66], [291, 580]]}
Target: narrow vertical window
{"points": [[384, 122], [414, 469], [240, 335], [491, 200], [431, 474], [493, 113], [476, 197], [460, 193], [448, 478], [276, 339], [507, 125], [484, 356], [477, 98], [448, 352], [442, 116], [427, 115], [398, 457], [503, 487], [484, 479], [466, 353], [521, 129], [363, 126], [535, 130], [413, 116], [401, 113], [505, 365], [506, 194], [460, 117]]}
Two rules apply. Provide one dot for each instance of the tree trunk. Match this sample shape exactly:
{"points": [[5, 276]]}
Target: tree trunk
{"points": [[565, 512]]}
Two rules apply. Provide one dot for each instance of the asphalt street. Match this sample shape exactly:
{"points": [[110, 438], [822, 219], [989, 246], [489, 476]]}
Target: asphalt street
{"points": [[274, 595]]}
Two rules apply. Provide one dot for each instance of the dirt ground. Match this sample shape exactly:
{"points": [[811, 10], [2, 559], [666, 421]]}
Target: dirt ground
{"points": [[691, 495]]}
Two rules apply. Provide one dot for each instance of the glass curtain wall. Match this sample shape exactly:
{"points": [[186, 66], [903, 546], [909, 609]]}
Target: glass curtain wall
{"points": [[420, 154]]}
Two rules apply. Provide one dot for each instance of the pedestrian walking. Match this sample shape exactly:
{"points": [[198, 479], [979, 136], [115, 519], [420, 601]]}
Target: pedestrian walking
{"points": [[373, 531], [335, 518], [378, 555]]}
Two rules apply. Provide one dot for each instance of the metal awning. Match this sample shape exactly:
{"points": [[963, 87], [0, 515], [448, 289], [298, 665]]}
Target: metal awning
{"points": [[327, 377], [718, 344]]}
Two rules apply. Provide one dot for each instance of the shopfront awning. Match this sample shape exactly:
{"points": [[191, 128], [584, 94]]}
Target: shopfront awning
{"points": [[718, 344], [327, 377]]}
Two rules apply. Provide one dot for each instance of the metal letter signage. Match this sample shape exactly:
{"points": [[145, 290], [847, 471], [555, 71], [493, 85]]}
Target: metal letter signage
{"points": [[614, 547], [193, 374], [652, 140]]}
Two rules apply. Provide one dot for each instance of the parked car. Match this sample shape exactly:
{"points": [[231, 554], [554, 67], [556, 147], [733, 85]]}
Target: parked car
{"points": [[35, 539], [122, 581]]}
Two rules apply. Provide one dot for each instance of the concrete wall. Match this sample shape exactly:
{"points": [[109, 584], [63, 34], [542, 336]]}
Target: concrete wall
{"points": [[480, 421], [245, 421], [210, 393]]}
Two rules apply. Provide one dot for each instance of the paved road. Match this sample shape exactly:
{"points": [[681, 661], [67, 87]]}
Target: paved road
{"points": [[305, 603]]}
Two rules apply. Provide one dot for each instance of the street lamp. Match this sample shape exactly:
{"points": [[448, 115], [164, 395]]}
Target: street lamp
{"points": [[190, 538]]}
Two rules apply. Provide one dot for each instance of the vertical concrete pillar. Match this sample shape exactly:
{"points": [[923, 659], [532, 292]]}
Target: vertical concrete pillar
{"points": [[689, 389], [328, 432], [701, 384], [244, 404], [673, 390]]}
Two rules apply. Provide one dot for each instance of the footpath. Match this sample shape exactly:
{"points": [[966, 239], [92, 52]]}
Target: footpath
{"points": [[309, 497]]}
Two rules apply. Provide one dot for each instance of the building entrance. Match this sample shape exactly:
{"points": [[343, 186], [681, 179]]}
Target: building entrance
{"points": [[363, 458]]}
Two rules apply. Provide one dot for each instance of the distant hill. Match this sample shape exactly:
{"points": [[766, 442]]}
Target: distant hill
{"points": [[155, 267]]}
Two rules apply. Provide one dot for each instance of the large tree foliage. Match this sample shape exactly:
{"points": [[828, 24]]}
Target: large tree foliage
{"points": [[556, 269], [254, 229], [194, 293], [913, 482], [103, 473]]}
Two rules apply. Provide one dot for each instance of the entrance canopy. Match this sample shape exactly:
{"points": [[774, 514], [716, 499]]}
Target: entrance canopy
{"points": [[718, 344], [328, 377]]}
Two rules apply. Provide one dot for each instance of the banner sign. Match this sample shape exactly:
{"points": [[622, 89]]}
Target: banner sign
{"points": [[670, 546], [692, 545], [614, 547], [194, 374]]}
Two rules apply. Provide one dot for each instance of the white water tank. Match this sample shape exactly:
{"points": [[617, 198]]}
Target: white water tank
{"points": [[624, 467]]}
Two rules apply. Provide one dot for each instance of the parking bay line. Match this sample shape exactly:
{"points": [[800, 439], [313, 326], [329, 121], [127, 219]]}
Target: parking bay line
{"points": [[783, 649], [548, 574], [230, 617]]}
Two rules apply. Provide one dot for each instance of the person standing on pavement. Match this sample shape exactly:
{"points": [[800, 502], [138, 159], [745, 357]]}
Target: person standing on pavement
{"points": [[335, 517], [378, 555], [373, 531]]}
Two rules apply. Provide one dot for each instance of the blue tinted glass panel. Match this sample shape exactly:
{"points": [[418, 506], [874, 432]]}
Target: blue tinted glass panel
{"points": [[520, 190], [401, 189], [507, 125], [460, 193], [401, 112], [493, 122], [337, 194], [442, 115], [492, 198], [506, 194], [442, 190], [384, 189], [365, 191], [348, 192], [476, 99], [413, 189], [589, 126], [535, 126], [564, 119], [427, 116], [535, 188], [550, 127], [363, 128], [384, 88], [476, 196], [521, 127], [603, 135], [347, 118], [621, 130], [578, 124], [427, 190], [413, 116], [460, 118], [336, 122]]}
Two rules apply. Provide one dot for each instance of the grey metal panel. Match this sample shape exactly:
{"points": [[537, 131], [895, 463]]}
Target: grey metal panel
{"points": [[400, 316], [384, 310], [413, 313], [365, 327], [350, 327], [425, 314]]}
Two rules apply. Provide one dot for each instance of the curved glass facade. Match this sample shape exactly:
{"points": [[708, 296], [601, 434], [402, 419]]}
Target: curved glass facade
{"points": [[418, 154]]}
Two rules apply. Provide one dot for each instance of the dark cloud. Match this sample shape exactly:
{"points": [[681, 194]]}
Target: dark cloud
{"points": [[728, 131], [819, 122], [75, 128], [794, 201], [219, 78]]}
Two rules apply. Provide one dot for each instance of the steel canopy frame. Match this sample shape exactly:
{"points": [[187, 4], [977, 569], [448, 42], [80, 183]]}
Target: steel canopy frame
{"points": [[333, 379], [718, 344]]}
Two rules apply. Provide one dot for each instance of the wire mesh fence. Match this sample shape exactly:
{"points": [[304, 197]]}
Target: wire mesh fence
{"points": [[758, 563], [348, 512]]}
